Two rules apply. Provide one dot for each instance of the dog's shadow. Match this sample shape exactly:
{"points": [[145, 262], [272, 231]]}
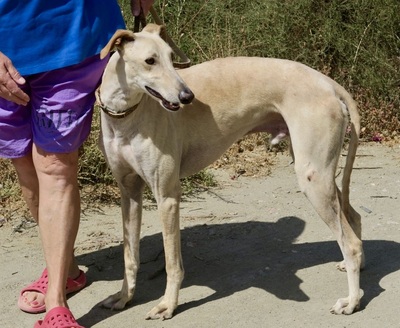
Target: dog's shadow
{"points": [[231, 257]]}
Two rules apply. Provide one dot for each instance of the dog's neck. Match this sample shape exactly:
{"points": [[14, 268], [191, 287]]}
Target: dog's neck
{"points": [[114, 97]]}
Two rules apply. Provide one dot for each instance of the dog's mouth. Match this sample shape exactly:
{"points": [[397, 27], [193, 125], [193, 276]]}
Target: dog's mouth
{"points": [[168, 105]]}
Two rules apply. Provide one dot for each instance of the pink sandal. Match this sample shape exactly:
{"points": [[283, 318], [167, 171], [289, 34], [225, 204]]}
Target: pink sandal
{"points": [[40, 286], [58, 317]]}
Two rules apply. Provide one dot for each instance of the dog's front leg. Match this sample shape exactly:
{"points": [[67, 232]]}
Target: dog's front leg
{"points": [[169, 212], [131, 204]]}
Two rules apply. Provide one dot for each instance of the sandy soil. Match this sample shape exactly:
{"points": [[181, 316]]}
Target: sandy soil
{"points": [[255, 253]]}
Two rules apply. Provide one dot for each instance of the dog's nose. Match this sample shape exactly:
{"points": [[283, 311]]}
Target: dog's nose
{"points": [[186, 96]]}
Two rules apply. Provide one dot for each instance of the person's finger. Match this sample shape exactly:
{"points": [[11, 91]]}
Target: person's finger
{"points": [[10, 81], [9, 89], [6, 66], [14, 74], [18, 96]]}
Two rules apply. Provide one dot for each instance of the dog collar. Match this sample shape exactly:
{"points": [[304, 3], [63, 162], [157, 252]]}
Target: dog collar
{"points": [[111, 112]]}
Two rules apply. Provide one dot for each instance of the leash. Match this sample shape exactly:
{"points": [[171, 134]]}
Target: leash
{"points": [[141, 20]]}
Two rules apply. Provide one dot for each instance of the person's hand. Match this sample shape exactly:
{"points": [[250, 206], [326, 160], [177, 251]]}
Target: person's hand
{"points": [[144, 5], [10, 80]]}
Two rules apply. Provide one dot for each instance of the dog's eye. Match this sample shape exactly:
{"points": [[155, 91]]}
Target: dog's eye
{"points": [[150, 61]]}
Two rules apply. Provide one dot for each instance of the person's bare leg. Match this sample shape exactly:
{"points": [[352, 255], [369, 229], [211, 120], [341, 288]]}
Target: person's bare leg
{"points": [[59, 214], [29, 182]]}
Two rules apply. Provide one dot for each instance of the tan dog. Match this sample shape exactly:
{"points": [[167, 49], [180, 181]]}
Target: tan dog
{"points": [[150, 137]]}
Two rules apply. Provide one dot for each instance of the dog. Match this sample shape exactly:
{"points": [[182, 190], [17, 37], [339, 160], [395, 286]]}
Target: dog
{"points": [[160, 124]]}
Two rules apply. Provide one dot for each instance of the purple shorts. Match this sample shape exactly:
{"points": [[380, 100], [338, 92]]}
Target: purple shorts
{"points": [[58, 117]]}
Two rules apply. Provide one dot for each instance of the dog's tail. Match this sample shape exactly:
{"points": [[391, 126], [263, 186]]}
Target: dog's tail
{"points": [[355, 127]]}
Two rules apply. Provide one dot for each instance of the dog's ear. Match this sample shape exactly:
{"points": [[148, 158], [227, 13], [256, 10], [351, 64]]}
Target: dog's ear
{"points": [[117, 40], [159, 29]]}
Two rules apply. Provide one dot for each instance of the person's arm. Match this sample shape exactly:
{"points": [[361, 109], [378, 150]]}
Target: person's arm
{"points": [[144, 5], [10, 80]]}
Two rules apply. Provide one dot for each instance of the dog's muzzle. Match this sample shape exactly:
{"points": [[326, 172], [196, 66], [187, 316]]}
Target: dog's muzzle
{"points": [[186, 96]]}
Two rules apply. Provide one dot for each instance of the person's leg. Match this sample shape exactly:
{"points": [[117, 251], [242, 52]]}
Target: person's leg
{"points": [[59, 117], [59, 212], [29, 183], [62, 104], [42, 140]]}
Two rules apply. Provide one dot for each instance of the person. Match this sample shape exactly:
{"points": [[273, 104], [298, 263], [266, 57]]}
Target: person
{"points": [[49, 70]]}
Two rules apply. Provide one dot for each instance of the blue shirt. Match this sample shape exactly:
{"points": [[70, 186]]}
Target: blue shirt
{"points": [[43, 35]]}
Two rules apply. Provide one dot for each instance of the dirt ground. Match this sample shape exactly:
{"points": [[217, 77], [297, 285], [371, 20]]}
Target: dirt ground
{"points": [[255, 253]]}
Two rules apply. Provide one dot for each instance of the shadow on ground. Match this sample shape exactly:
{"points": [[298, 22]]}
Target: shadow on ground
{"points": [[232, 257]]}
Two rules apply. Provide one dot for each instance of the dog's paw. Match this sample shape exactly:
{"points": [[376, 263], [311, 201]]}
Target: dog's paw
{"points": [[115, 302], [347, 305], [162, 311]]}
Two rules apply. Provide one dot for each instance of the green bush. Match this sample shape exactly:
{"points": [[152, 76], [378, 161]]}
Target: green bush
{"points": [[356, 42]]}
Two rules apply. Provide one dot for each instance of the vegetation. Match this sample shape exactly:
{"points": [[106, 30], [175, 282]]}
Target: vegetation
{"points": [[355, 42]]}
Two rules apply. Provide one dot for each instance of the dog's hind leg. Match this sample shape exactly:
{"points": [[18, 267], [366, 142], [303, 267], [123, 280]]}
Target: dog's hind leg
{"points": [[316, 150], [131, 205], [319, 186], [354, 219]]}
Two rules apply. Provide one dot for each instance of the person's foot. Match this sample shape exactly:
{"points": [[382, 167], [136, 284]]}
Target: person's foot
{"points": [[58, 317], [32, 297]]}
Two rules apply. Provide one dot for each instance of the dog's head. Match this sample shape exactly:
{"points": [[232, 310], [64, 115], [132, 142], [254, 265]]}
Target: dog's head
{"points": [[146, 62]]}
